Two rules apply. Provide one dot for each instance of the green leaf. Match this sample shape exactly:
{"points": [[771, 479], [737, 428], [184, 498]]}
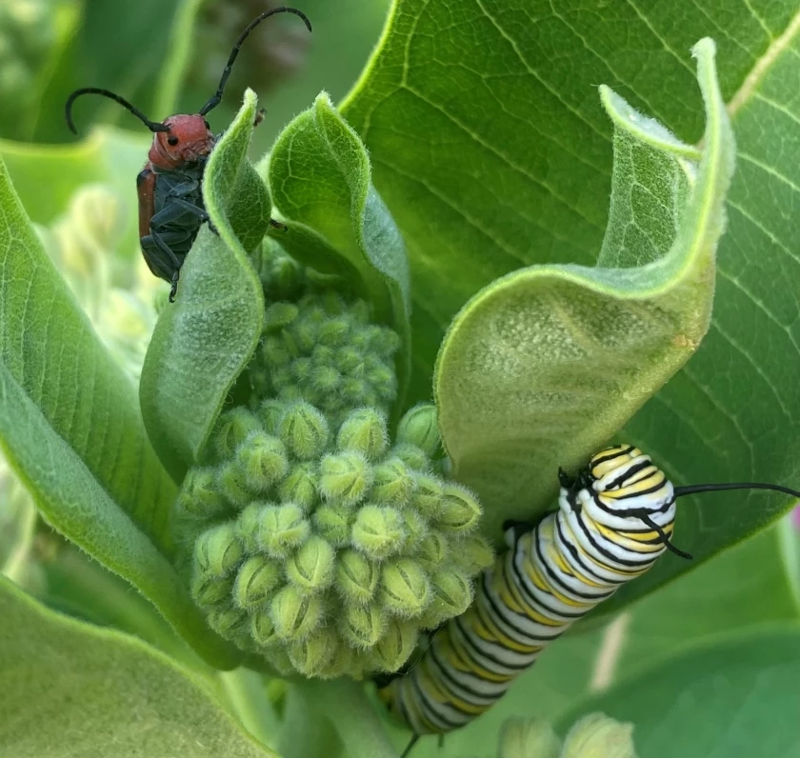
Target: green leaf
{"points": [[492, 152], [737, 697], [565, 355], [321, 181], [55, 361], [95, 693], [203, 341]]}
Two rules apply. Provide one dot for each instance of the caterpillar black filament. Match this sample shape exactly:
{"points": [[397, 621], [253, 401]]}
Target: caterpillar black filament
{"points": [[614, 521]]}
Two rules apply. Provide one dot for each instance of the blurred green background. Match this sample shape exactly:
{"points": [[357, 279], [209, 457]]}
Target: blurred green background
{"points": [[50, 47]]}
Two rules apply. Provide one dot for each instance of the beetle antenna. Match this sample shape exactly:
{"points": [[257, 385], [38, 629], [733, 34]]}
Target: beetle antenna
{"points": [[692, 488], [216, 99], [153, 126]]}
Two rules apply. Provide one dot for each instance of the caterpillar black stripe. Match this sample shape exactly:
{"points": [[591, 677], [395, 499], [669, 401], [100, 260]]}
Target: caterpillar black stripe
{"points": [[614, 521]]}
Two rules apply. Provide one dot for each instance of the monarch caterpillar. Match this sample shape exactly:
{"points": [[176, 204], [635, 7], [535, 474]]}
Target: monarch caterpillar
{"points": [[614, 520]]}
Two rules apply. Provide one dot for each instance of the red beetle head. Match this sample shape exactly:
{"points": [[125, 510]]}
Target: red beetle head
{"points": [[187, 139]]}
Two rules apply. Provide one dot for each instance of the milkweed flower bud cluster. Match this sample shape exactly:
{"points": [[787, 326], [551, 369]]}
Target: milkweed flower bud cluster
{"points": [[320, 543]]}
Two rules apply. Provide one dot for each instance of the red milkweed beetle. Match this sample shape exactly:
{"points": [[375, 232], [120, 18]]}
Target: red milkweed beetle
{"points": [[169, 187]]}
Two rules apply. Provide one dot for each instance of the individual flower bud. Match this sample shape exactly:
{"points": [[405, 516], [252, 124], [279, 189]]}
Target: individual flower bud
{"points": [[413, 456], [290, 344], [274, 353], [396, 645], [345, 478], [218, 551], [209, 590], [382, 380], [452, 595], [354, 390], [432, 550], [332, 522], [599, 736], [404, 587], [295, 614], [262, 461], [232, 428], [325, 379], [394, 483], [231, 484], [312, 656], [279, 315], [420, 427], [416, 527], [362, 625], [262, 630], [270, 412], [428, 496], [473, 554], [333, 303], [527, 738], [290, 394], [378, 531], [302, 369], [334, 331], [364, 431], [347, 359], [228, 622], [283, 529], [304, 431], [356, 576], [300, 486], [199, 497], [304, 332], [322, 355], [311, 568], [461, 510], [255, 582], [281, 378], [248, 525]]}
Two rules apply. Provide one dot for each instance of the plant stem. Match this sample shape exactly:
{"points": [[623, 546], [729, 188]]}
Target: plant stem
{"points": [[305, 731], [344, 704], [246, 692]]}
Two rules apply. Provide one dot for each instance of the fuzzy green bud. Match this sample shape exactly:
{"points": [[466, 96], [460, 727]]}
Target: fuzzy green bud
{"points": [[304, 431], [598, 736], [199, 497], [473, 554], [283, 528], [420, 427], [461, 510], [231, 484], [356, 577], [211, 590], [262, 461], [279, 315], [416, 526], [232, 428], [313, 655], [334, 331], [404, 587], [270, 412], [295, 614], [311, 568], [333, 523], [396, 645], [355, 390], [413, 456], [218, 551], [256, 580], [364, 431], [452, 595], [248, 525], [432, 550], [228, 622], [262, 629], [345, 478], [300, 486], [394, 483], [378, 531], [302, 369], [362, 625], [428, 497], [325, 380], [527, 738]]}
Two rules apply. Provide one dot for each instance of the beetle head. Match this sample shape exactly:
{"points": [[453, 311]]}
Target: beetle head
{"points": [[188, 140]]}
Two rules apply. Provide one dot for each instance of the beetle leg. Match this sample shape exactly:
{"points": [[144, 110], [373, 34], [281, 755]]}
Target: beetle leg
{"points": [[278, 225], [191, 207], [165, 248]]}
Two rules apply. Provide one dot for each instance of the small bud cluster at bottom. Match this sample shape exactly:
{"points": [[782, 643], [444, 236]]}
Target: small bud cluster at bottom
{"points": [[323, 547]]}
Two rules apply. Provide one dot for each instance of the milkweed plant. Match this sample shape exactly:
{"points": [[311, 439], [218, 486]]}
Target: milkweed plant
{"points": [[526, 233]]}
